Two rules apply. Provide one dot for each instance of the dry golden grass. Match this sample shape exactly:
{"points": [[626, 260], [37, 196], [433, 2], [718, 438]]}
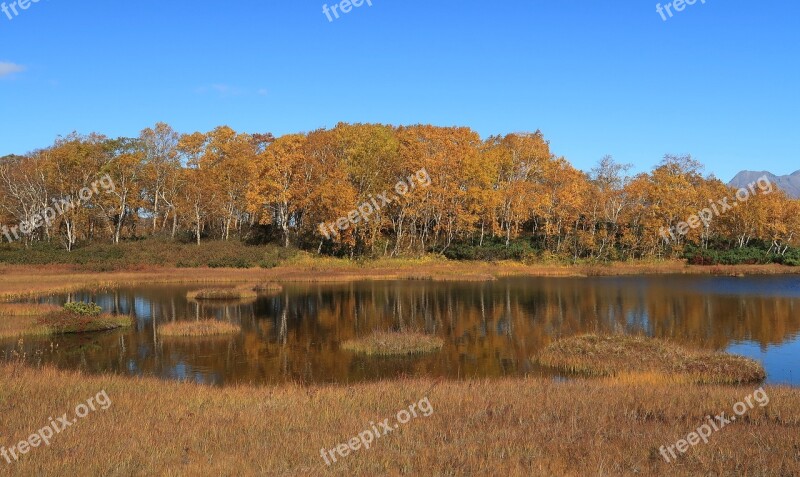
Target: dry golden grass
{"points": [[611, 355], [21, 319], [25, 309], [391, 344], [200, 328], [18, 326], [530, 427], [221, 294]]}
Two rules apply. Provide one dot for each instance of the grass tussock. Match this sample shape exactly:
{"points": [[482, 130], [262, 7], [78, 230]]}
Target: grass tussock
{"points": [[392, 344], [65, 322], [221, 294], [520, 426], [594, 355], [268, 287], [201, 328]]}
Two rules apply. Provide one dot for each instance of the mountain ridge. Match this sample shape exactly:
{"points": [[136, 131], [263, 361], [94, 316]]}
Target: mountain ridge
{"points": [[789, 183]]}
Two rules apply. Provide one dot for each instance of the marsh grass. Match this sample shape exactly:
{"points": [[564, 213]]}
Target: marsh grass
{"points": [[202, 328], [594, 355], [508, 426], [221, 294], [393, 344], [21, 325], [25, 309]]}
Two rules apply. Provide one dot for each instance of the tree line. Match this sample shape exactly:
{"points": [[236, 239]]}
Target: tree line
{"points": [[505, 193]]}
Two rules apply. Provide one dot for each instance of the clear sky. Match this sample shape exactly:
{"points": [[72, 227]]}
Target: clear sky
{"points": [[718, 80]]}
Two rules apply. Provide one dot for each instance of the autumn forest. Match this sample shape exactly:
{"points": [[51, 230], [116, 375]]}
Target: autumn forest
{"points": [[507, 194]]}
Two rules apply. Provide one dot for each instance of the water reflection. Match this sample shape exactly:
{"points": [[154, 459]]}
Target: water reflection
{"points": [[490, 329]]}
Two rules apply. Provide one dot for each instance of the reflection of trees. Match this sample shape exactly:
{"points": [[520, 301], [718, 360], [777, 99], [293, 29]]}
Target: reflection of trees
{"points": [[490, 328]]}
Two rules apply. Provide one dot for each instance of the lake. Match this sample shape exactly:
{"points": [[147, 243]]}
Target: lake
{"points": [[491, 329]]}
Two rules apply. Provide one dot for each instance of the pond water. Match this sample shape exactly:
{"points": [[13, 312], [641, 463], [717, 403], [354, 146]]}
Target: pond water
{"points": [[490, 329]]}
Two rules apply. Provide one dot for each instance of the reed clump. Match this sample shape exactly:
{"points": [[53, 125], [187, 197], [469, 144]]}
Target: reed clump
{"points": [[221, 294], [394, 343], [268, 287], [202, 328]]}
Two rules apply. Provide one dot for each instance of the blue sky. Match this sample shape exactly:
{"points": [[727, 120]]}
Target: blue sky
{"points": [[718, 80]]}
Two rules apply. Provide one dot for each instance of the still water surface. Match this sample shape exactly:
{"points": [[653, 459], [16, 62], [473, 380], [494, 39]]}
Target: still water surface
{"points": [[490, 329]]}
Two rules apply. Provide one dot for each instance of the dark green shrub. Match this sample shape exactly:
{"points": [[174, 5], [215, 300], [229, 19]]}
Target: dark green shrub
{"points": [[157, 251], [739, 256], [268, 263], [494, 248], [791, 258], [228, 262], [83, 309]]}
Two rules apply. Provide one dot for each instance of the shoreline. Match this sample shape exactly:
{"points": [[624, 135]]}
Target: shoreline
{"points": [[25, 282]]}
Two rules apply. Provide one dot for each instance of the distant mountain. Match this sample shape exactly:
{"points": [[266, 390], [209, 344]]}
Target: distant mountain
{"points": [[789, 184]]}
